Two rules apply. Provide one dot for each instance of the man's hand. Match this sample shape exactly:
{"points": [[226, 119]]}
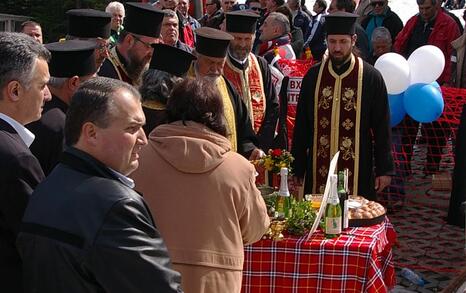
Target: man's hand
{"points": [[297, 181], [256, 154], [381, 182]]}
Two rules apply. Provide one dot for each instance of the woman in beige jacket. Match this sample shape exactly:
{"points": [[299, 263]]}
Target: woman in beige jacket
{"points": [[202, 195]]}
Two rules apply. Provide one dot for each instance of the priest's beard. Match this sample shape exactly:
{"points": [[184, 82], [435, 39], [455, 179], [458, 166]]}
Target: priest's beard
{"points": [[239, 52], [212, 77], [339, 59], [136, 67]]}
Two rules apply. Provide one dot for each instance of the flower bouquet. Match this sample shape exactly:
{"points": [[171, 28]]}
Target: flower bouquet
{"points": [[277, 159], [271, 164]]}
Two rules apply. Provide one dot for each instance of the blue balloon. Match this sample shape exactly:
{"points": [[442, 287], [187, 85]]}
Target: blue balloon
{"points": [[436, 85], [397, 109], [423, 102]]}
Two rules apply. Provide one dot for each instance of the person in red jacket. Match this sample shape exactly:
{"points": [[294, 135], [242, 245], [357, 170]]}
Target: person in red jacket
{"points": [[430, 27]]}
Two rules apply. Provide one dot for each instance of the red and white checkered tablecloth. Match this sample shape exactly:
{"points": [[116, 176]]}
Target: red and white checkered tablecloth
{"points": [[359, 260]]}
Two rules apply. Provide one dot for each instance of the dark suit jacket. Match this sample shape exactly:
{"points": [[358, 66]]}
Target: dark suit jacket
{"points": [[20, 173], [84, 230]]}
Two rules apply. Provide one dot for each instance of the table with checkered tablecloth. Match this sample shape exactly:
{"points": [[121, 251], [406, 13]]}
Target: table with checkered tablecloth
{"points": [[359, 260]]}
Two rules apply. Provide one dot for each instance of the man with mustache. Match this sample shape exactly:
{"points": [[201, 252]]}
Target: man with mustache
{"points": [[211, 50], [170, 33], [251, 76], [129, 59], [343, 107]]}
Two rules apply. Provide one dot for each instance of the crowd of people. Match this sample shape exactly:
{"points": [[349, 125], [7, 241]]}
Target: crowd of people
{"points": [[126, 146]]}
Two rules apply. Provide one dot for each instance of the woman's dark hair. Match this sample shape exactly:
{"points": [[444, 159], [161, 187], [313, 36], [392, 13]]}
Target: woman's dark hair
{"points": [[197, 100]]}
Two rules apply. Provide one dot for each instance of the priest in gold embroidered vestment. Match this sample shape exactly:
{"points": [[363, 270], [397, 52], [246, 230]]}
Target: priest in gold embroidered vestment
{"points": [[211, 50], [130, 58], [251, 77], [343, 106]]}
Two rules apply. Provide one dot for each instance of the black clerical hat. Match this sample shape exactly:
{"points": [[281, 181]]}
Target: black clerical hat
{"points": [[72, 57], [143, 19], [212, 42], [241, 22], [89, 23], [341, 23], [170, 59]]}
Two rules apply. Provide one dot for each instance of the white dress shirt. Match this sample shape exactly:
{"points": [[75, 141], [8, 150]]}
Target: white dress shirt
{"points": [[26, 136]]}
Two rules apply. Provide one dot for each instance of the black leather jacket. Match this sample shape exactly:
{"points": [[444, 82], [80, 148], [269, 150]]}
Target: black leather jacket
{"points": [[84, 230]]}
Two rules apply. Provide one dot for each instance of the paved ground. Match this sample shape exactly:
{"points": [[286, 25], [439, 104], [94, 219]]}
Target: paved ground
{"points": [[427, 245]]}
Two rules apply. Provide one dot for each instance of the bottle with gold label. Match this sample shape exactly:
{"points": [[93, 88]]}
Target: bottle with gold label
{"points": [[333, 211], [283, 204]]}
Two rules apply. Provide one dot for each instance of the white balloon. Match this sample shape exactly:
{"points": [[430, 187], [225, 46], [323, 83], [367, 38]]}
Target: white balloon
{"points": [[426, 64], [395, 72]]}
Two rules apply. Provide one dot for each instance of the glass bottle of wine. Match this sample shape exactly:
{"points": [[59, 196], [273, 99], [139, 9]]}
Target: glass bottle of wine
{"points": [[343, 196], [283, 204], [333, 211]]}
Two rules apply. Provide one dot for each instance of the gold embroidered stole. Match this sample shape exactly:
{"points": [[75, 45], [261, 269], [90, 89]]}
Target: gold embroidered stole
{"points": [[337, 114], [119, 68], [249, 85], [228, 109]]}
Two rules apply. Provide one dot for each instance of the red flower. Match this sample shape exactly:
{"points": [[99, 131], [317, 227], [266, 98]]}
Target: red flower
{"points": [[277, 152]]}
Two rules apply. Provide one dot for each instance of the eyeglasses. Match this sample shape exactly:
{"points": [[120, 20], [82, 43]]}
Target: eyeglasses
{"points": [[374, 4], [148, 46]]}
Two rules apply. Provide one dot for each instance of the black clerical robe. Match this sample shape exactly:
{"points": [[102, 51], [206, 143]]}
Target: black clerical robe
{"points": [[50, 134], [266, 132], [246, 139], [458, 192], [114, 67], [374, 129], [245, 136]]}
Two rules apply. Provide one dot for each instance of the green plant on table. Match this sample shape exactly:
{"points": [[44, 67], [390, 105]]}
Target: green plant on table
{"points": [[302, 215], [301, 220]]}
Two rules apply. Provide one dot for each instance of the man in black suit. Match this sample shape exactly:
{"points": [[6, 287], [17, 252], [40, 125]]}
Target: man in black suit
{"points": [[24, 74], [73, 62]]}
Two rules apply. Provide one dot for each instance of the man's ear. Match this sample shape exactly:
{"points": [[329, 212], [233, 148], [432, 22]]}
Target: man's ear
{"points": [[129, 41], [73, 83], [89, 133], [354, 38], [13, 90]]}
